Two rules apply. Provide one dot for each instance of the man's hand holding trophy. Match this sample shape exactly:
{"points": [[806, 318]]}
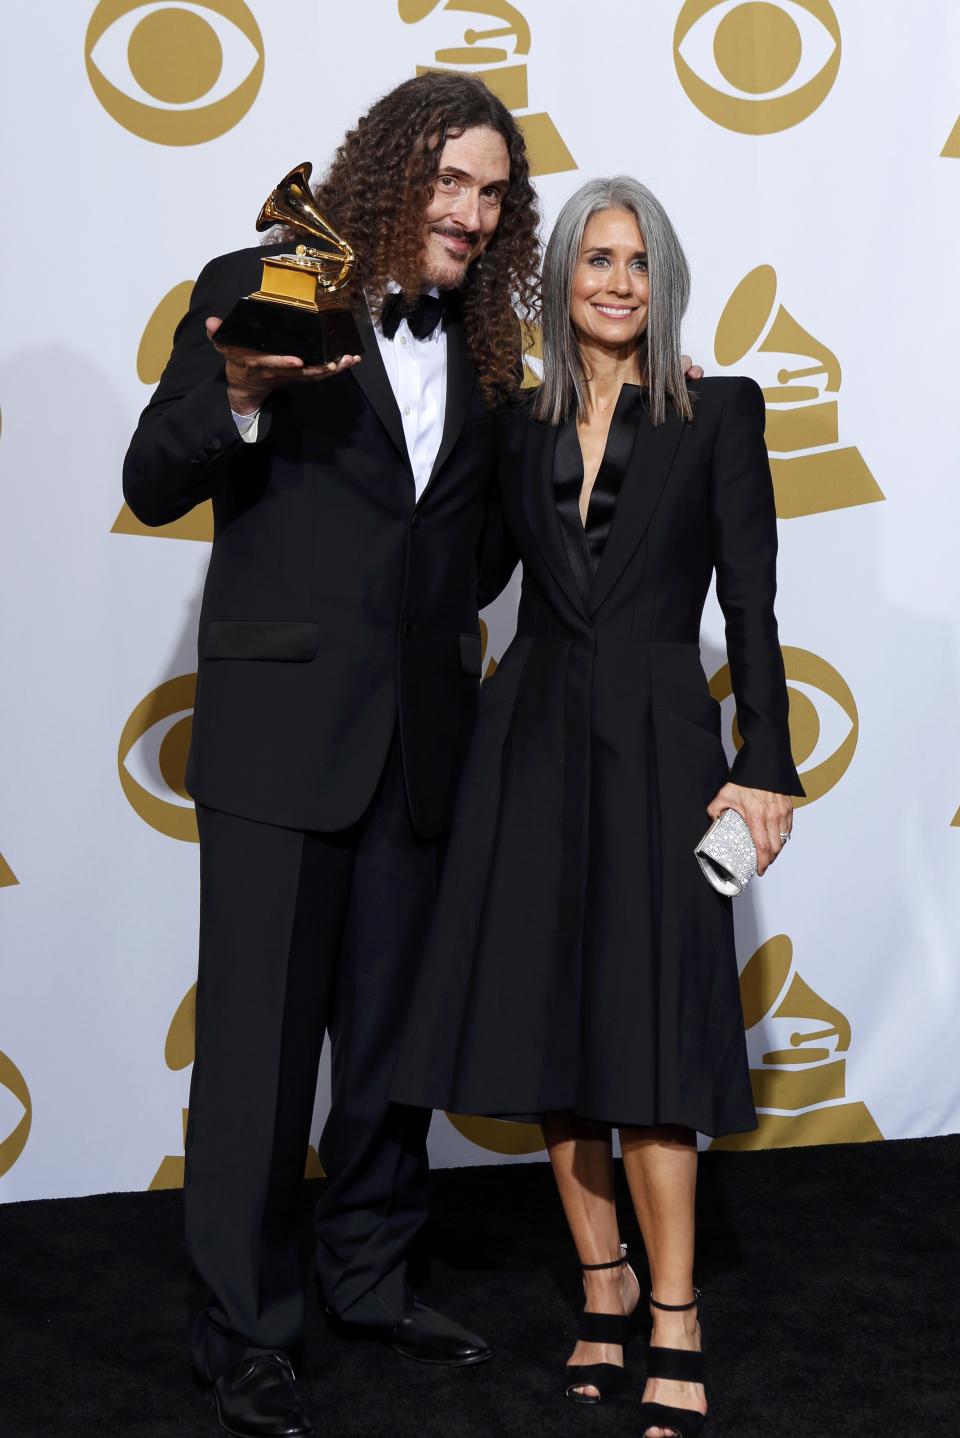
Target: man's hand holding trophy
{"points": [[299, 325]]}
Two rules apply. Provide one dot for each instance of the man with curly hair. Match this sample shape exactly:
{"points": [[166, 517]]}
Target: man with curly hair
{"points": [[339, 660]]}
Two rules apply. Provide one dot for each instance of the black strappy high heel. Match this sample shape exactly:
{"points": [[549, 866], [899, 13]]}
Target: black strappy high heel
{"points": [[681, 1366], [606, 1378]]}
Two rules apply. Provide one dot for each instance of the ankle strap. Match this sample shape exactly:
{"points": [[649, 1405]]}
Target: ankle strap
{"points": [[676, 1307], [614, 1263], [602, 1327]]}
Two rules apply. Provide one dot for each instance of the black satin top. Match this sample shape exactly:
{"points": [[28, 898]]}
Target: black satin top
{"points": [[584, 543]]}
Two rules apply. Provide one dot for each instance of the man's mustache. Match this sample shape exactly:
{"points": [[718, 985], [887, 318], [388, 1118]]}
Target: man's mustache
{"points": [[471, 236]]}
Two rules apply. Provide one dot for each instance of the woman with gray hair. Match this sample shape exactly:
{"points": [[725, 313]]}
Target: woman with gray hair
{"points": [[581, 970]]}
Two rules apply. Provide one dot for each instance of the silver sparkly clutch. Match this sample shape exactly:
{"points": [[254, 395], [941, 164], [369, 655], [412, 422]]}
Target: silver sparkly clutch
{"points": [[727, 855]]}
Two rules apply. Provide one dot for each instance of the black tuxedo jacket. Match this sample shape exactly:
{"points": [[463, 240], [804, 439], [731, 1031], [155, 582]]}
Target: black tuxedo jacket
{"points": [[334, 601]]}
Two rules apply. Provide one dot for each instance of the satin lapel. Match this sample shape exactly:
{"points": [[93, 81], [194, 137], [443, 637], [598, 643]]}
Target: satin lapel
{"points": [[461, 381], [536, 469], [654, 451], [371, 376]]}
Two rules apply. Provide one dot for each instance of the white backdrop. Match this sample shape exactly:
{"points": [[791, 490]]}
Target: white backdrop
{"points": [[813, 171]]}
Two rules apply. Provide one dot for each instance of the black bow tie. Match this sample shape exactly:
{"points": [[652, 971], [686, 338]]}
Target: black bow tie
{"points": [[423, 316]]}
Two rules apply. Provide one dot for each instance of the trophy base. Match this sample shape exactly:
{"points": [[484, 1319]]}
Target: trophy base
{"points": [[276, 328]]}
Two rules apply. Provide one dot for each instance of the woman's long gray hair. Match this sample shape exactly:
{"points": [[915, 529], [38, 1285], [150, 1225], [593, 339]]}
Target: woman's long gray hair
{"points": [[659, 357]]}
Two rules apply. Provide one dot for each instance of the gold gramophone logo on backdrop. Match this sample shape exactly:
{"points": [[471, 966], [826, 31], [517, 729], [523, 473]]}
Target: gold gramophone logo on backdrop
{"points": [[156, 738], [532, 355], [7, 877], [488, 667], [812, 471], [171, 74], [816, 725], [754, 66], [12, 1146], [800, 1089], [179, 1053], [496, 66], [152, 355], [951, 150]]}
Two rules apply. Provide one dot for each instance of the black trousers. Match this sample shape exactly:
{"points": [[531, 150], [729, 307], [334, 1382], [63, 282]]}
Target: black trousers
{"points": [[302, 933]]}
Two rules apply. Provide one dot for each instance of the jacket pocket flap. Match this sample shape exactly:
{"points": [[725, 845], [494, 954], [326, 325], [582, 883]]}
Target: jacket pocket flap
{"points": [[471, 655], [284, 639]]}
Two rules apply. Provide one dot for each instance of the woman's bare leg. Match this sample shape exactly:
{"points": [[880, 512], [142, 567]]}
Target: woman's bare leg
{"points": [[661, 1169], [582, 1159]]}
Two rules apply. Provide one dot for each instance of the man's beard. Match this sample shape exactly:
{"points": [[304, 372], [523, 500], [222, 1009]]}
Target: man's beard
{"points": [[449, 274]]}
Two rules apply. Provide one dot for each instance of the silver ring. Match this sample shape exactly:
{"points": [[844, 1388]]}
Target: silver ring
{"points": [[784, 838]]}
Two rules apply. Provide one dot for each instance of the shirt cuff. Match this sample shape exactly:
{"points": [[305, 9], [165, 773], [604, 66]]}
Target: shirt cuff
{"points": [[247, 425]]}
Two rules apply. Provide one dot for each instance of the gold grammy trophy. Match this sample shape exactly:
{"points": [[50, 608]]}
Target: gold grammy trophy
{"points": [[812, 472], [304, 304]]}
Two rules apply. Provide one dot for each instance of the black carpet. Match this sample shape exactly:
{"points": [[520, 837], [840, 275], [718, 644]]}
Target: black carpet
{"points": [[829, 1278]]}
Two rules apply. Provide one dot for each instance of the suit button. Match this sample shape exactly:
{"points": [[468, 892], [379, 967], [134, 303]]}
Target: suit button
{"points": [[406, 628]]}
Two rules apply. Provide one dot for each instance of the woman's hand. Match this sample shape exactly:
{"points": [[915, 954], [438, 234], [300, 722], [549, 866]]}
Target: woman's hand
{"points": [[768, 816], [252, 377]]}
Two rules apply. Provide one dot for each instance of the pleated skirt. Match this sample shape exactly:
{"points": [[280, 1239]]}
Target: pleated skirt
{"points": [[578, 960]]}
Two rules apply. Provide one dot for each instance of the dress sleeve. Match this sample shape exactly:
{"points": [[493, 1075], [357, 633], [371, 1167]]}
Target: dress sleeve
{"points": [[744, 535]]}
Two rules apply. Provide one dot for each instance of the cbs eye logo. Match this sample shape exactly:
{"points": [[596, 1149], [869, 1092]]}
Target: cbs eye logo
{"points": [[15, 1142], [152, 758], [757, 67], [174, 74], [824, 732]]}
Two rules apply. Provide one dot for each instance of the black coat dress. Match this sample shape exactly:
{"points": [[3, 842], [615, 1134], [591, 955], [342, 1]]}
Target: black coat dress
{"points": [[579, 960]]}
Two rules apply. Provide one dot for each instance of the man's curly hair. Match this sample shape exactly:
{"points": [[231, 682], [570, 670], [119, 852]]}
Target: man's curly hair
{"points": [[380, 183]]}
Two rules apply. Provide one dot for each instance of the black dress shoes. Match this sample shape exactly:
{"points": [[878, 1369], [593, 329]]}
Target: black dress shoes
{"points": [[259, 1398], [422, 1334]]}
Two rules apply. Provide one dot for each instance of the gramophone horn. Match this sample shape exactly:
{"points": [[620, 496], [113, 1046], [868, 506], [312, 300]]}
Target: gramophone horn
{"points": [[764, 977], [292, 203], [413, 10], [745, 314]]}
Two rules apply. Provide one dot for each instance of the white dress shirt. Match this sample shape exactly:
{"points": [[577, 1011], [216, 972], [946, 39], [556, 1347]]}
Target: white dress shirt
{"points": [[417, 371]]}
